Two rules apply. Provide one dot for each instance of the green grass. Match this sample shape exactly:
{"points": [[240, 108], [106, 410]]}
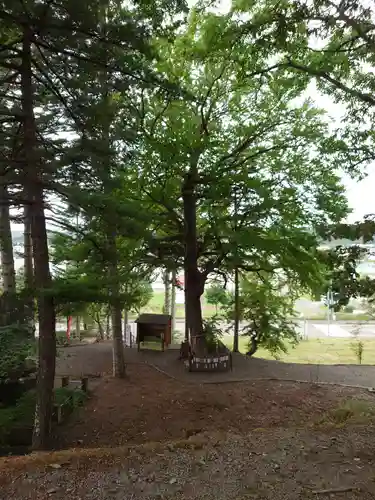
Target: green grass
{"points": [[353, 411], [157, 301], [318, 351]]}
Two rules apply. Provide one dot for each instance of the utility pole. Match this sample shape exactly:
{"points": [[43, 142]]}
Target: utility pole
{"points": [[329, 307]]}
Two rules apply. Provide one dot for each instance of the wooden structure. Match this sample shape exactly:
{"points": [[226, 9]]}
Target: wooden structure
{"points": [[218, 361], [62, 410], [157, 326]]}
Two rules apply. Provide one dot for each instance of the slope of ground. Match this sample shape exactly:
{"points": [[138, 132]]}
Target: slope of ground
{"points": [[279, 465], [249, 440]]}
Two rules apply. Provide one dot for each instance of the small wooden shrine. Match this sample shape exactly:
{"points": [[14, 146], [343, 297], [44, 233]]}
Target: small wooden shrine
{"points": [[151, 327]]}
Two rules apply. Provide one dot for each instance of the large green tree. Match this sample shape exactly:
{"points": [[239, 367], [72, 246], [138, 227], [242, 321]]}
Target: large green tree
{"points": [[245, 137]]}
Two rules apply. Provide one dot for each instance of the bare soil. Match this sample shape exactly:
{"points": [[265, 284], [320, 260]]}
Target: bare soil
{"points": [[238, 440], [149, 406]]}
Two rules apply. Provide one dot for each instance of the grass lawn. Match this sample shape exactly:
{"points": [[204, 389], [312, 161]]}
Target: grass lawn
{"points": [[157, 301], [318, 351]]}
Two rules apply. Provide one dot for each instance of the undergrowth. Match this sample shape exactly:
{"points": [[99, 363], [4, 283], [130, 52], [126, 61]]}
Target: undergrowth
{"points": [[21, 415], [351, 411]]}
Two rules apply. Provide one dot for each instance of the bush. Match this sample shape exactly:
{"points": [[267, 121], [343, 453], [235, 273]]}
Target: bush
{"points": [[16, 419], [212, 334], [16, 422], [348, 309], [61, 338], [75, 397], [16, 345]]}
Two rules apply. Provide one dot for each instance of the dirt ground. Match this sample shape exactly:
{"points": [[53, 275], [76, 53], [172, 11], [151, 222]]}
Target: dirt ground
{"points": [[250, 440], [277, 464], [148, 406]]}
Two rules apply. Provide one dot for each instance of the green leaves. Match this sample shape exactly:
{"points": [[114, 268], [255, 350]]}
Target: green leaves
{"points": [[264, 162]]}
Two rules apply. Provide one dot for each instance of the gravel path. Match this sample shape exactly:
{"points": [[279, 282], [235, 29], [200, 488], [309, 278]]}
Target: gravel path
{"points": [[97, 359], [277, 465]]}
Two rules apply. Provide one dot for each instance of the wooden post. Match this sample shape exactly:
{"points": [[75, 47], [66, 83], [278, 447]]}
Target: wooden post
{"points": [[84, 384]]}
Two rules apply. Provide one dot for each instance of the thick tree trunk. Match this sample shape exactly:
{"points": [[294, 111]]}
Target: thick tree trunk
{"points": [[194, 279], [46, 313], [167, 293], [7, 259]]}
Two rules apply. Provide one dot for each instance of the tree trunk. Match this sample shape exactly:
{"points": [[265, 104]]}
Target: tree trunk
{"points": [[187, 329], [28, 263], [173, 300], [126, 321], [78, 328], [46, 312], [6, 244], [194, 279], [100, 326], [108, 323], [119, 370], [236, 310], [167, 293]]}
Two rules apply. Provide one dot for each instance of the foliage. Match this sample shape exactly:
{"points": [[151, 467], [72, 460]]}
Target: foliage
{"points": [[358, 347], [325, 47], [216, 295], [83, 284], [239, 157], [267, 307], [212, 334], [342, 276], [348, 309], [72, 397], [20, 417], [61, 338], [16, 345]]}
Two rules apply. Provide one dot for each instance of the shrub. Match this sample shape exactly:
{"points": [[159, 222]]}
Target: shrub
{"points": [[16, 345], [212, 334], [348, 309], [61, 338], [358, 347], [19, 419]]}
